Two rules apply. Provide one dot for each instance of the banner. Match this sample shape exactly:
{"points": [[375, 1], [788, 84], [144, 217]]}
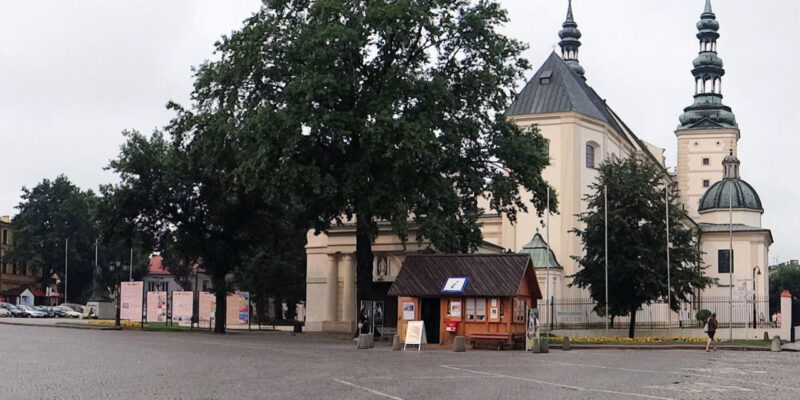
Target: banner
{"points": [[238, 309], [182, 303], [415, 334], [208, 308], [156, 306], [131, 301], [532, 328]]}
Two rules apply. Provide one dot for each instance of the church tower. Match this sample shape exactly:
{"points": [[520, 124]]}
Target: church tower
{"points": [[708, 128]]}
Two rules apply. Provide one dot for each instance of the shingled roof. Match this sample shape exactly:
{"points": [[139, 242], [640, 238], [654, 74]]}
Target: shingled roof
{"points": [[490, 275]]}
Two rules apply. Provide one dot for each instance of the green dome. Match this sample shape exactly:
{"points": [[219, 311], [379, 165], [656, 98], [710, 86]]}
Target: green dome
{"points": [[707, 59], [739, 192], [541, 256]]}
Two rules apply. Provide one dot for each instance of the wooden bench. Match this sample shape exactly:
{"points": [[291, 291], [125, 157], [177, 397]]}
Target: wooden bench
{"points": [[497, 341]]}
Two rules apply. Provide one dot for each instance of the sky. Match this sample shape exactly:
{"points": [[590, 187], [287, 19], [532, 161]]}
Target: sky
{"points": [[74, 74]]}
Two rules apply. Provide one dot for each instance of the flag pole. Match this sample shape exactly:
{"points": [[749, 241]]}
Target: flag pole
{"points": [[669, 281], [605, 208], [547, 278], [730, 263]]}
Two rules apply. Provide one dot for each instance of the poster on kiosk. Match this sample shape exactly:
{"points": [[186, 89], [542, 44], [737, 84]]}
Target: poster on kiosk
{"points": [[182, 303], [156, 306], [131, 301]]}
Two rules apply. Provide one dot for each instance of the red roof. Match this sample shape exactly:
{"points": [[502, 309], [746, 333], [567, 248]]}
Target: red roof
{"points": [[157, 267], [39, 294]]}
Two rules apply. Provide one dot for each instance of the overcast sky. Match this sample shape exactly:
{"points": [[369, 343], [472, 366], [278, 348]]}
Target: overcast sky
{"points": [[73, 74]]}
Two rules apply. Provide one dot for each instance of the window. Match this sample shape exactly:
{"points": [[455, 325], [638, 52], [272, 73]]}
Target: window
{"points": [[470, 304], [706, 161], [519, 311], [480, 309], [544, 79], [706, 183], [724, 261], [5, 236], [589, 156]]}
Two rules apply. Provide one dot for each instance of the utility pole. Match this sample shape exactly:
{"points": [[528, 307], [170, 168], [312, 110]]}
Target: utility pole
{"points": [[730, 263], [130, 267]]}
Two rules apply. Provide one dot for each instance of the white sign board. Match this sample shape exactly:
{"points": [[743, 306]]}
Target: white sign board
{"points": [[455, 285], [415, 334]]}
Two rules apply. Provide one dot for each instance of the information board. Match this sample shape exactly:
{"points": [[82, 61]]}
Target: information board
{"points": [[238, 309], [182, 303], [131, 301], [207, 309], [156, 306], [415, 334]]}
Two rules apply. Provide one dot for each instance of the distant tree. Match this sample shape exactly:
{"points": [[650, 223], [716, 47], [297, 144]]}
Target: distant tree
{"points": [[51, 213], [783, 277], [637, 259], [393, 111]]}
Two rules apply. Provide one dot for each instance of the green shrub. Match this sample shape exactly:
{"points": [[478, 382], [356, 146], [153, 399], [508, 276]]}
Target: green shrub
{"points": [[703, 315]]}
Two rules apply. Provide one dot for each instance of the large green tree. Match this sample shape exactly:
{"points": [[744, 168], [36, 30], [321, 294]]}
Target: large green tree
{"points": [[50, 214], [784, 277], [637, 251], [393, 111]]}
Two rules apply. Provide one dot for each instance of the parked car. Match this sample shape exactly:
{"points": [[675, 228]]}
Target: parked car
{"points": [[56, 311], [31, 312], [5, 313], [47, 312], [15, 312], [74, 307], [68, 312]]}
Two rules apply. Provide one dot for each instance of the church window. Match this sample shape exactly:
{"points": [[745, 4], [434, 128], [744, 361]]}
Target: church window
{"points": [[706, 183], [544, 79], [590, 150], [724, 261], [706, 161]]}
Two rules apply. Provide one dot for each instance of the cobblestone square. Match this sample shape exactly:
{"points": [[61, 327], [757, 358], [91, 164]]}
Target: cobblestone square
{"points": [[50, 363]]}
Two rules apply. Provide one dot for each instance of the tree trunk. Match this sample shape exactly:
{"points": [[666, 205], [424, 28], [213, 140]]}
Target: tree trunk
{"points": [[612, 322], [363, 264], [222, 300], [632, 325]]}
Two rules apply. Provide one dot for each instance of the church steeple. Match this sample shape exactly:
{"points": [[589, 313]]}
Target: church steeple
{"points": [[708, 71], [570, 42], [730, 166]]}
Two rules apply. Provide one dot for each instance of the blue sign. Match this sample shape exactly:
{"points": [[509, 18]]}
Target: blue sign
{"points": [[455, 284]]}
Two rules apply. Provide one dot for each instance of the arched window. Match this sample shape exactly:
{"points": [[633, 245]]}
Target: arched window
{"points": [[590, 150]]}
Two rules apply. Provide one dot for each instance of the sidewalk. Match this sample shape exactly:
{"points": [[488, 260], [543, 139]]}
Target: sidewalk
{"points": [[86, 324]]}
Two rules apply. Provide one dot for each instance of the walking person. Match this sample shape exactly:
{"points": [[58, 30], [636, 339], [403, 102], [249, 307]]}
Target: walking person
{"points": [[711, 330]]}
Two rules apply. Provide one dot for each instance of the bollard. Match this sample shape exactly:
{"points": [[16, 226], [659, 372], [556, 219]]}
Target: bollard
{"points": [[396, 343], [566, 346], [371, 340], [363, 341], [545, 344], [459, 345], [537, 345], [776, 344], [766, 336]]}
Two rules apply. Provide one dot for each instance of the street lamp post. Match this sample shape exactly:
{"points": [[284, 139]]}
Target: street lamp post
{"points": [[756, 268], [117, 269]]}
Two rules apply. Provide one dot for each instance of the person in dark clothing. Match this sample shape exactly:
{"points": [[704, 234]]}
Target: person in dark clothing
{"points": [[711, 330]]}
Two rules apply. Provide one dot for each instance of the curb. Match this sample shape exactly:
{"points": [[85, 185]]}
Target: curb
{"points": [[64, 326], [660, 347]]}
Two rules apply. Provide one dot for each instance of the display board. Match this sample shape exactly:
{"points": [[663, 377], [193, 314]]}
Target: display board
{"points": [[182, 303], [532, 328], [415, 334], [207, 309], [131, 301], [156, 306], [238, 309]]}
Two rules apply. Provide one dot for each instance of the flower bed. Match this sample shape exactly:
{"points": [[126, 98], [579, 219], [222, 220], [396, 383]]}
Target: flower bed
{"points": [[627, 340], [110, 322]]}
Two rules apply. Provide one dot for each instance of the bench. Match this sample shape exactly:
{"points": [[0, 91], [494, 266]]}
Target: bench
{"points": [[497, 341]]}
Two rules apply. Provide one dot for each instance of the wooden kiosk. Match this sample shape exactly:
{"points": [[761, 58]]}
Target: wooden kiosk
{"points": [[484, 297]]}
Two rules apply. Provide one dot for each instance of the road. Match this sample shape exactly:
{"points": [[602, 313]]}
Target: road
{"points": [[57, 363]]}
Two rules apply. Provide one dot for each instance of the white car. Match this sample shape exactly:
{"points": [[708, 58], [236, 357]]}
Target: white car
{"points": [[4, 312], [69, 312]]}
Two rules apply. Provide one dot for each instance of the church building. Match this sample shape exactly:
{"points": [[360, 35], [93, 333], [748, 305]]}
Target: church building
{"points": [[582, 131]]}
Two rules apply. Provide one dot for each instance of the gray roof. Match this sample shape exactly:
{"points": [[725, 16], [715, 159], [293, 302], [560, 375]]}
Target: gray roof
{"points": [[738, 228], [541, 257], [730, 193], [566, 91], [490, 275]]}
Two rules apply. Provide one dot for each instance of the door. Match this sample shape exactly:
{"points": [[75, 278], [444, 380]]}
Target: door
{"points": [[431, 318], [795, 318]]}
